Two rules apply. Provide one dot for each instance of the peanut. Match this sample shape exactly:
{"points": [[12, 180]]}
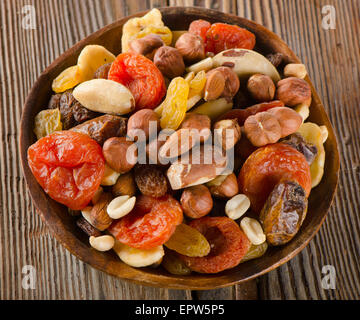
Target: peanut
{"points": [[120, 206], [237, 206], [102, 243], [253, 230]]}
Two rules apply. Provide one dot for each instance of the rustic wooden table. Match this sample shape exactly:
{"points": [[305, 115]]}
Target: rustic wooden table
{"points": [[333, 59]]}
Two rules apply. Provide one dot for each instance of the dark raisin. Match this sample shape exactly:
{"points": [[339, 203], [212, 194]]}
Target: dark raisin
{"points": [[102, 72], [66, 101], [54, 101], [88, 228], [82, 114], [275, 58], [243, 100], [104, 127], [297, 141]]}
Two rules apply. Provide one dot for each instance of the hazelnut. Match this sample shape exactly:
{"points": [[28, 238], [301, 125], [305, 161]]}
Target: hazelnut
{"points": [[143, 124], [191, 47], [124, 186], [98, 215], [232, 82], [169, 61], [289, 120], [221, 82], [225, 186], [262, 128], [227, 133], [196, 201], [293, 91], [120, 154], [261, 87], [146, 45], [200, 122], [296, 70]]}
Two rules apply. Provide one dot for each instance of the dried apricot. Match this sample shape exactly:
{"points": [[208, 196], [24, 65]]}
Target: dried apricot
{"points": [[269, 165], [188, 241], [173, 108], [69, 167], [200, 27], [141, 77], [150, 224], [222, 36], [228, 245]]}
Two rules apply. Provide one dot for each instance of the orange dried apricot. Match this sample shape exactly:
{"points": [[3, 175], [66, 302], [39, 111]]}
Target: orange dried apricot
{"points": [[228, 243], [222, 36], [150, 224], [269, 165], [141, 77]]}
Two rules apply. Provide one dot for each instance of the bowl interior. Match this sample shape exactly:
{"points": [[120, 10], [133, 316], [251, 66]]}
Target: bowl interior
{"points": [[63, 225]]}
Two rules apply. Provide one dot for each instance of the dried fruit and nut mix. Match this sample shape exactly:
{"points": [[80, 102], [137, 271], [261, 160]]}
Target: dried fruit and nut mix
{"points": [[169, 147]]}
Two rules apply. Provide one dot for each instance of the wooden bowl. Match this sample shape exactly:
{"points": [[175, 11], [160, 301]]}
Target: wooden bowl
{"points": [[63, 226]]}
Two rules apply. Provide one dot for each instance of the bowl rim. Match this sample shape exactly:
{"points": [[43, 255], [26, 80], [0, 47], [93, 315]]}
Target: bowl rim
{"points": [[134, 274]]}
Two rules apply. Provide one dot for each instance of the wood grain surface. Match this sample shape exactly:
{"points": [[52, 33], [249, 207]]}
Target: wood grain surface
{"points": [[332, 58]]}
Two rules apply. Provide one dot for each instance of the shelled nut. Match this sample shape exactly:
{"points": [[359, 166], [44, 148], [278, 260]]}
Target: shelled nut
{"points": [[191, 47], [224, 186], [237, 206], [297, 70], [102, 243], [120, 206], [98, 216], [110, 176], [196, 201], [261, 87], [253, 230], [143, 124], [120, 154], [125, 185], [227, 133], [169, 61], [293, 91]]}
